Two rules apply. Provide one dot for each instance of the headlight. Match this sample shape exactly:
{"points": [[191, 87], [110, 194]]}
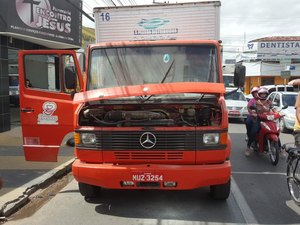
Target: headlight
{"points": [[211, 138], [88, 138]]}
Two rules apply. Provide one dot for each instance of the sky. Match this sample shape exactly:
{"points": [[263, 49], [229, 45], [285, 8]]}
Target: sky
{"points": [[241, 20]]}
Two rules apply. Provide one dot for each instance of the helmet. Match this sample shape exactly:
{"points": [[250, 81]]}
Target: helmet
{"points": [[263, 93], [254, 89]]}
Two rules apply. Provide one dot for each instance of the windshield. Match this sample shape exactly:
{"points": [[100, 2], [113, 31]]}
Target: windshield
{"points": [[289, 100], [239, 96], [124, 66]]}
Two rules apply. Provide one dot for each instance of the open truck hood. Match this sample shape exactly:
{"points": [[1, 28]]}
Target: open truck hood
{"points": [[149, 89]]}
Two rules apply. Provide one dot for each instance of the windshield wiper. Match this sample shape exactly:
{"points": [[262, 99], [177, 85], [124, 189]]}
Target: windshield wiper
{"points": [[162, 81], [167, 73]]}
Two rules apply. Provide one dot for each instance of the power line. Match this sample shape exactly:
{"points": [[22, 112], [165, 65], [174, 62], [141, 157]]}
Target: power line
{"points": [[87, 6], [80, 10]]}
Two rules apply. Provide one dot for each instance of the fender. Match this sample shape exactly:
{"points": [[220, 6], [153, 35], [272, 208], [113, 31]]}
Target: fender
{"points": [[272, 137]]}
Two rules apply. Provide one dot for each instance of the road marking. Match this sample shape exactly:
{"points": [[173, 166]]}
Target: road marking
{"points": [[242, 203], [291, 204], [260, 173]]}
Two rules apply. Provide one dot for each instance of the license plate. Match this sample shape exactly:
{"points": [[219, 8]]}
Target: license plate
{"points": [[234, 113], [147, 177]]}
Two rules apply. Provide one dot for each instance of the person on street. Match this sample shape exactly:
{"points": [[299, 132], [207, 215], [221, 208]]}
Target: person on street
{"points": [[27, 83], [251, 120], [296, 132], [262, 105], [251, 113]]}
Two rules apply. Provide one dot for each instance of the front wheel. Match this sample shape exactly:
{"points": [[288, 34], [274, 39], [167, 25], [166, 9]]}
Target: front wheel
{"points": [[293, 180], [220, 192], [274, 150], [89, 191]]}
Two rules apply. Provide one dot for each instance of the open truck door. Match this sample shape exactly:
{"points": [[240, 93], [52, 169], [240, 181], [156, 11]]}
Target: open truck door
{"points": [[48, 81]]}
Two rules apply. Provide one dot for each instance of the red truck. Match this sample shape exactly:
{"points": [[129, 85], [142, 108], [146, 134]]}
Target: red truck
{"points": [[149, 113]]}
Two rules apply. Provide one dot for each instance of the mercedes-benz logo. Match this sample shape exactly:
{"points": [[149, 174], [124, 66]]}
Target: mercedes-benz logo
{"points": [[147, 140]]}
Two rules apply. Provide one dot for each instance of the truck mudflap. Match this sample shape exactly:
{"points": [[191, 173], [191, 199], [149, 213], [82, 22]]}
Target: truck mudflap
{"points": [[145, 176]]}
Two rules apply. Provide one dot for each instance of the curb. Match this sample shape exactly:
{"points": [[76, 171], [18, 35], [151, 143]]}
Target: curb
{"points": [[9, 203]]}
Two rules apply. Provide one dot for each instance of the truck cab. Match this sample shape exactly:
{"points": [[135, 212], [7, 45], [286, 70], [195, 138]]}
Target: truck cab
{"points": [[149, 114]]}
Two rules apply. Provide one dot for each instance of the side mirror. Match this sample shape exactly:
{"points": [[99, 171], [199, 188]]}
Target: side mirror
{"points": [[81, 60], [239, 75], [70, 77]]}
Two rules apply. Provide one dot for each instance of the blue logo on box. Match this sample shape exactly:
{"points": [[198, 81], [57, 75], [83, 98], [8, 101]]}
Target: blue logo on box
{"points": [[153, 23]]}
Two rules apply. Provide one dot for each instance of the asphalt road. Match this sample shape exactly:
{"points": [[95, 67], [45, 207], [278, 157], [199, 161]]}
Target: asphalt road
{"points": [[259, 195]]}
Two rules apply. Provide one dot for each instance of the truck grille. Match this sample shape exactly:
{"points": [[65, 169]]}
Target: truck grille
{"points": [[165, 140], [148, 155]]}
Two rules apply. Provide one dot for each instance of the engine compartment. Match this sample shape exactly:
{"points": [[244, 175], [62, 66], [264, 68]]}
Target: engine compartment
{"points": [[150, 114]]}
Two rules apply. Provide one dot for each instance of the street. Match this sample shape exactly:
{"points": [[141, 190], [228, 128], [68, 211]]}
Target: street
{"points": [[14, 170], [259, 195]]}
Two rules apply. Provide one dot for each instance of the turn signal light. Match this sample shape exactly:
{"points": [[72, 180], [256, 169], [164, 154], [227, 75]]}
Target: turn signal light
{"points": [[77, 138]]}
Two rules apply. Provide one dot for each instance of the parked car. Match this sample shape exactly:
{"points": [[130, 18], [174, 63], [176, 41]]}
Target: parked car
{"points": [[236, 104], [280, 99], [249, 97], [279, 88]]}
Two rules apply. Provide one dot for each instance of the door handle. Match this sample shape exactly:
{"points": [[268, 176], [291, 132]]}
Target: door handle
{"points": [[27, 110]]}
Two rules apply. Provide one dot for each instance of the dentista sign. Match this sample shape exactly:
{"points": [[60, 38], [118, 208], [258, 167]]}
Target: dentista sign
{"points": [[281, 47]]}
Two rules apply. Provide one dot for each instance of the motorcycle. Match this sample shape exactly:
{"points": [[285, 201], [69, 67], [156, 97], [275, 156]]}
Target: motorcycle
{"points": [[267, 139]]}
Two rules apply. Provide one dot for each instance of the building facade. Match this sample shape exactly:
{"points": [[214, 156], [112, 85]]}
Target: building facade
{"points": [[271, 61], [32, 24]]}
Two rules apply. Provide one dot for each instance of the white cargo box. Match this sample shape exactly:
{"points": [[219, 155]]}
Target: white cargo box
{"points": [[180, 21]]}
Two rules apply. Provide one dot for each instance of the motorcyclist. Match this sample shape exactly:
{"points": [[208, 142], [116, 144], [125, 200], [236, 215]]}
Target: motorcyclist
{"points": [[262, 104], [296, 132], [251, 121], [252, 102]]}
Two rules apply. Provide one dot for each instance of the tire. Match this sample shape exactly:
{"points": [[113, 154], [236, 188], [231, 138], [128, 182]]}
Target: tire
{"points": [[89, 191], [282, 126], [71, 142], [220, 192], [274, 150], [294, 184]]}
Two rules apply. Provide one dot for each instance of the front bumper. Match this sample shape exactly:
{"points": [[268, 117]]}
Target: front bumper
{"points": [[237, 114], [186, 176]]}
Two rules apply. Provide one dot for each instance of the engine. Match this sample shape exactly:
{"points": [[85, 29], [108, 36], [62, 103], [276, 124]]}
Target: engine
{"points": [[129, 115]]}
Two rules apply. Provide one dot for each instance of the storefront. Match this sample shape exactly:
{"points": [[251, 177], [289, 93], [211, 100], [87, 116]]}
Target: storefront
{"points": [[32, 24], [269, 59]]}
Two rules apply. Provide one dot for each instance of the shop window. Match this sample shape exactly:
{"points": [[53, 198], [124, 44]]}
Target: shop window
{"points": [[267, 81]]}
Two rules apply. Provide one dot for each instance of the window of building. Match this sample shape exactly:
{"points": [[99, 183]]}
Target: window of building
{"points": [[267, 81]]}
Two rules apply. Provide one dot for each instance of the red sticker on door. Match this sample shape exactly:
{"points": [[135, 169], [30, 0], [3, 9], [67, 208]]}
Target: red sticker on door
{"points": [[47, 116]]}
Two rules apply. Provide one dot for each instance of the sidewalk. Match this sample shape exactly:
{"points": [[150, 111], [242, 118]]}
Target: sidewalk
{"points": [[22, 178]]}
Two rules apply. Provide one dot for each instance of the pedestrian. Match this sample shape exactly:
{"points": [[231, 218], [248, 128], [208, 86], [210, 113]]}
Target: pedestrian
{"points": [[296, 132]]}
